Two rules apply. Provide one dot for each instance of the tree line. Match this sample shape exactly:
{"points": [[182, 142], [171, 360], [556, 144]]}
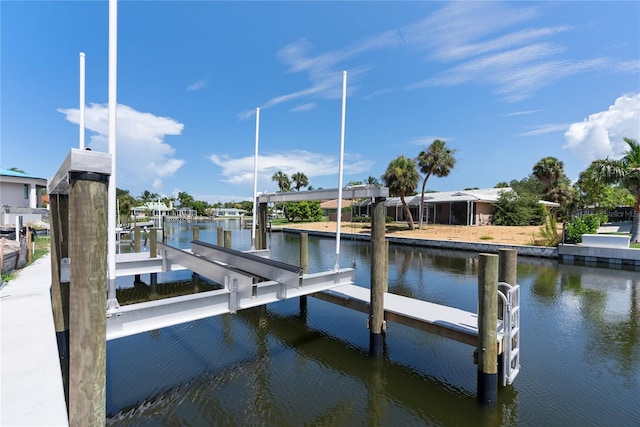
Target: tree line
{"points": [[126, 202], [605, 184]]}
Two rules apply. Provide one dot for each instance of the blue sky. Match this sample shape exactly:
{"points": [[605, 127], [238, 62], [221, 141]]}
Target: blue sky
{"points": [[505, 84]]}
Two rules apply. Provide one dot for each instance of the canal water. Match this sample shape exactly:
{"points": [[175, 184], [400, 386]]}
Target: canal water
{"points": [[272, 366]]}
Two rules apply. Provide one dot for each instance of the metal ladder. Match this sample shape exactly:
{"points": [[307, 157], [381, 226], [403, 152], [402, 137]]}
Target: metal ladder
{"points": [[510, 295]]}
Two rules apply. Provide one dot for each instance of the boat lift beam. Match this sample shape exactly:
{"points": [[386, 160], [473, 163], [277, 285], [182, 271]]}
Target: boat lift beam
{"points": [[290, 276], [241, 289]]}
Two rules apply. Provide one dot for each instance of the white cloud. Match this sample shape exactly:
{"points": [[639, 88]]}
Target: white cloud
{"points": [[200, 84], [520, 113], [477, 36], [601, 134], [483, 41], [304, 107], [313, 165], [546, 128], [143, 157]]}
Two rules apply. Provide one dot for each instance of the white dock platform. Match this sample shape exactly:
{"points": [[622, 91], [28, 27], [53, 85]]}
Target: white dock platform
{"points": [[445, 321]]}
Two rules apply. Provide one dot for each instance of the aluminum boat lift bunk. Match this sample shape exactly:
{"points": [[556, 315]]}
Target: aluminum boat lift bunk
{"points": [[248, 280]]}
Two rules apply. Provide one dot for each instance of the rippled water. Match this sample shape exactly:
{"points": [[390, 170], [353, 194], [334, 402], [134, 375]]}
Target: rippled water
{"points": [[271, 366]]}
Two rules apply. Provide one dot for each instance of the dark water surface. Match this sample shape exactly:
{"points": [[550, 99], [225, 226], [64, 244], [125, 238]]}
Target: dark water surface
{"points": [[268, 366]]}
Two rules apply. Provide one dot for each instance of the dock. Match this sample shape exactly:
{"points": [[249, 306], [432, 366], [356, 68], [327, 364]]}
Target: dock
{"points": [[442, 320], [31, 388]]}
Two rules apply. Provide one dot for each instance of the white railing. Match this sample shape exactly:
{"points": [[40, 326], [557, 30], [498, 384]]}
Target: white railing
{"points": [[510, 295]]}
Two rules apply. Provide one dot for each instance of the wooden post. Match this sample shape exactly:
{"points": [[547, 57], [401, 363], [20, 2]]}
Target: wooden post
{"points": [[261, 234], [2, 252], [59, 204], [196, 232], [507, 272], [220, 236], [304, 264], [153, 243], [487, 384], [136, 238], [88, 298], [164, 231], [386, 264], [29, 252], [227, 239], [378, 278], [508, 269]]}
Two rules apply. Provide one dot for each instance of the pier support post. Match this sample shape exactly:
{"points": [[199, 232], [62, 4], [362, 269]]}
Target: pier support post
{"points": [[88, 298], [386, 264], [59, 204], [196, 232], [220, 236], [227, 239], [304, 264], [137, 235], [261, 234], [508, 269], [379, 277], [487, 384], [507, 272], [153, 243]]}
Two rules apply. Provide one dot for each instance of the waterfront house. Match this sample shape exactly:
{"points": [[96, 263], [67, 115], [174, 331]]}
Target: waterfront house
{"points": [[330, 209], [466, 207], [21, 194]]}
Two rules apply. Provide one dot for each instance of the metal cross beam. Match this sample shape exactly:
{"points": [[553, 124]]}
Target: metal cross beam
{"points": [[290, 276]]}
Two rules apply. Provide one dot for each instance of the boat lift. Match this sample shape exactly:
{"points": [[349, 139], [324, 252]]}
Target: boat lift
{"points": [[247, 281]]}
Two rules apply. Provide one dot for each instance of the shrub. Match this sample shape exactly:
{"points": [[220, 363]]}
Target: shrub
{"points": [[305, 211], [514, 210], [549, 232], [585, 224]]}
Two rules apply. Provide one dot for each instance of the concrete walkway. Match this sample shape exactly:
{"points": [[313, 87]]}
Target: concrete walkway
{"points": [[31, 391]]}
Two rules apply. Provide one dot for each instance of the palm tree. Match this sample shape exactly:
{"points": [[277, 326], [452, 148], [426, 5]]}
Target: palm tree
{"points": [[402, 179], [548, 171], [372, 180], [436, 160], [148, 196], [300, 180], [625, 171], [282, 180]]}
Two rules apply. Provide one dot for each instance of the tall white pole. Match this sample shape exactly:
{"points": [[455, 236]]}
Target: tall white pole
{"points": [[344, 111], [112, 302], [255, 184], [82, 56]]}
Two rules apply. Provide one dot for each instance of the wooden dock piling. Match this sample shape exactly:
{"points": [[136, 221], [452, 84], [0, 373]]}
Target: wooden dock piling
{"points": [[88, 298], [227, 239], [379, 277], [196, 232], [261, 234], [136, 238], [59, 204], [304, 264], [220, 236], [508, 268], [487, 383], [153, 243]]}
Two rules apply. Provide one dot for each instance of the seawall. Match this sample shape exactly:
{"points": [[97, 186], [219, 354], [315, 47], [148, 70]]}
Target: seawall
{"points": [[523, 250]]}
